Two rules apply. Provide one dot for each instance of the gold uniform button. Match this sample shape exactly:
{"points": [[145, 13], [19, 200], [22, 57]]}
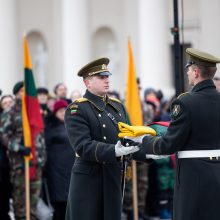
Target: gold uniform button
{"points": [[103, 125], [104, 137]]}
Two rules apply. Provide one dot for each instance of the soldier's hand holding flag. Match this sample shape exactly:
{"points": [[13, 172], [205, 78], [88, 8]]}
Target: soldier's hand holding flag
{"points": [[121, 150], [135, 134]]}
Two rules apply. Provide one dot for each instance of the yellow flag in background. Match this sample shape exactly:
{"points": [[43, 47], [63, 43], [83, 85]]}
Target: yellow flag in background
{"points": [[132, 96]]}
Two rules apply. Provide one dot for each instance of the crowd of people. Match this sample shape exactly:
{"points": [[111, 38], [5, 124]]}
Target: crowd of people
{"points": [[55, 156]]}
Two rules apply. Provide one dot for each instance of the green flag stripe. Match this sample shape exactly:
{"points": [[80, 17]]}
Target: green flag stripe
{"points": [[160, 130], [29, 83]]}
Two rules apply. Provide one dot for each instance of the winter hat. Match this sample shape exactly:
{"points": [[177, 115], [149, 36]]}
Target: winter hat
{"points": [[17, 87], [59, 104]]}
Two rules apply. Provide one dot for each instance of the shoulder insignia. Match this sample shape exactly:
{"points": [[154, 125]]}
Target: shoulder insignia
{"points": [[176, 111], [73, 106], [81, 100], [73, 111], [114, 99], [182, 94]]}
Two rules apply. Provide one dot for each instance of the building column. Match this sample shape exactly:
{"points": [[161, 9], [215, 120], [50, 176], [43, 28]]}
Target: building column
{"points": [[210, 23], [76, 41], [8, 47], [154, 50]]}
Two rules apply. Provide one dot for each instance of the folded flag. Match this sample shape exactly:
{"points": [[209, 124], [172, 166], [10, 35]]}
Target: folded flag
{"points": [[134, 131], [160, 127]]}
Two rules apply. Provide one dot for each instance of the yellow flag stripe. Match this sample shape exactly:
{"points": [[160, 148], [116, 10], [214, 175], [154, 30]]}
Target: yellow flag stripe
{"points": [[27, 59], [25, 122], [132, 97], [26, 126]]}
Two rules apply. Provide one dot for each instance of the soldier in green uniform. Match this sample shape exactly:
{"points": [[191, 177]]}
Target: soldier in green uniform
{"points": [[194, 135], [91, 123], [12, 136]]}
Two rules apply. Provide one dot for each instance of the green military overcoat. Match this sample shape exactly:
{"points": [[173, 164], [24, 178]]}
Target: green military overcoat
{"points": [[195, 126], [95, 186]]}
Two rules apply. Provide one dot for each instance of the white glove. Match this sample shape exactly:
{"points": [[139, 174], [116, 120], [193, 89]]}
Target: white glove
{"points": [[136, 139], [156, 157], [121, 150]]}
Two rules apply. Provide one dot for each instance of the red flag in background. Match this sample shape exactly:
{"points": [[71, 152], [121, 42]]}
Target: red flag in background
{"points": [[31, 116]]}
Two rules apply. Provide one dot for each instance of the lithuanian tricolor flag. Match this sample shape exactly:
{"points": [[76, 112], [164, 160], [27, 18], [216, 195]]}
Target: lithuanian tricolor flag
{"points": [[160, 127], [31, 116]]}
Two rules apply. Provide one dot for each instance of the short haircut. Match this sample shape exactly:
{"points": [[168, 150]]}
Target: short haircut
{"points": [[206, 72]]}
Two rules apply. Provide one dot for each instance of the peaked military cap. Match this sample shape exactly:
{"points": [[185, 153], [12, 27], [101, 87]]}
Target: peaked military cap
{"points": [[201, 58], [96, 67]]}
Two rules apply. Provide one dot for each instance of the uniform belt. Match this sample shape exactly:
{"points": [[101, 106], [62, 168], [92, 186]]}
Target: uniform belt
{"points": [[199, 153]]}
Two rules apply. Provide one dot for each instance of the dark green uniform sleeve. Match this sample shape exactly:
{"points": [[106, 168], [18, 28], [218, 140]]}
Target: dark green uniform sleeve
{"points": [[78, 131], [176, 135]]}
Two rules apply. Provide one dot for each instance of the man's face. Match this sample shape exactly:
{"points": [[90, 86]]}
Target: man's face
{"points": [[217, 84], [98, 85], [7, 103], [191, 75], [61, 91]]}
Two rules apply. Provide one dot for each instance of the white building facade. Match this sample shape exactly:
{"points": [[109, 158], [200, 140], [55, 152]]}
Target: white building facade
{"points": [[66, 34]]}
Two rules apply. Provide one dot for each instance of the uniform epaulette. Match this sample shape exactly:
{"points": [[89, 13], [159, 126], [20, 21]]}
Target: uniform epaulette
{"points": [[74, 105], [114, 99], [81, 100], [182, 94]]}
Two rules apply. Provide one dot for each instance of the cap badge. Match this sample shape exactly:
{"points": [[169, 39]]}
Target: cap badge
{"points": [[104, 67]]}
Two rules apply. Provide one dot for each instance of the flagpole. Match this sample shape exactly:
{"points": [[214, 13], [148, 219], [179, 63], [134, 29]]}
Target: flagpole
{"points": [[134, 189], [27, 137], [133, 106], [27, 188], [26, 158]]}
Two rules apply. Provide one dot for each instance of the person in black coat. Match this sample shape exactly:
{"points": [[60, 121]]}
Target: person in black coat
{"points": [[91, 123], [194, 135], [60, 159], [5, 185]]}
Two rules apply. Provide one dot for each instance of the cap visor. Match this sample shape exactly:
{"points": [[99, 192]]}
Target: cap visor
{"points": [[106, 73]]}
